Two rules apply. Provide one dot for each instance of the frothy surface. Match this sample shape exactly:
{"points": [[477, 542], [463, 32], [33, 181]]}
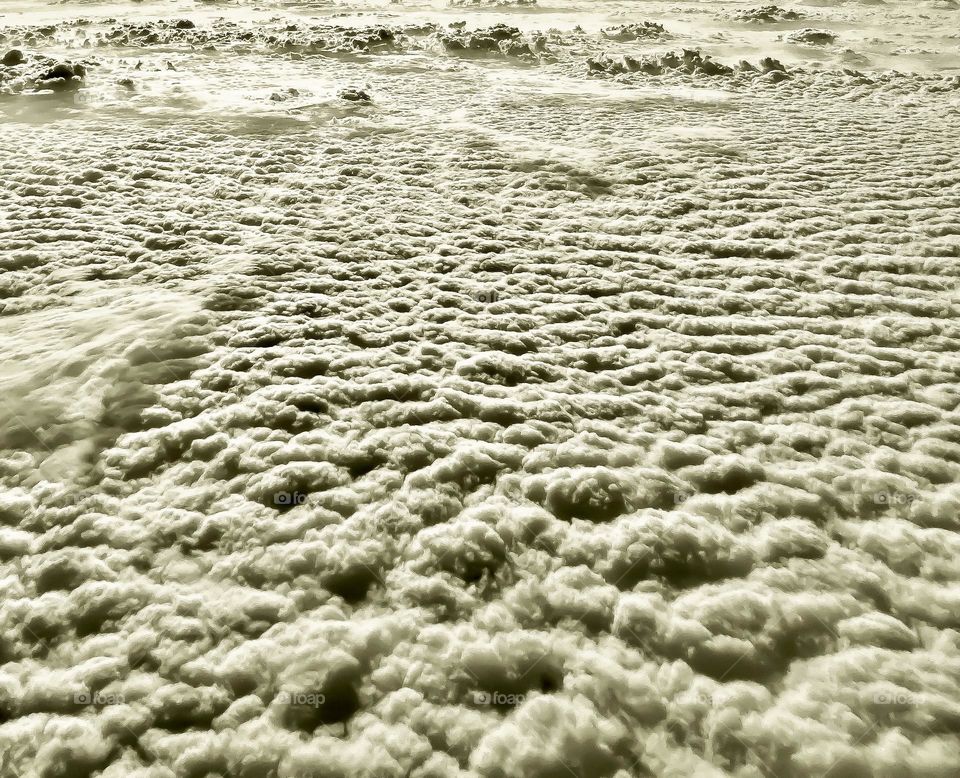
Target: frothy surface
{"points": [[546, 395]]}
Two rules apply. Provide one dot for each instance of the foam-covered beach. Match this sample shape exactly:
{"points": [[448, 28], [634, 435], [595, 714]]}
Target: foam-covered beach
{"points": [[509, 389]]}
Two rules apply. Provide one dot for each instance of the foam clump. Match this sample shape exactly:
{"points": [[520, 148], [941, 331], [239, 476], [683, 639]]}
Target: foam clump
{"points": [[33, 74], [492, 3], [63, 75], [811, 37], [12, 58], [354, 95], [623, 33], [767, 14], [498, 40], [688, 61], [274, 37]]}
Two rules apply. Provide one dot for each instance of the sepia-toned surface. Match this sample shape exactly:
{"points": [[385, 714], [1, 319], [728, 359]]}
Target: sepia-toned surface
{"points": [[380, 397]]}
